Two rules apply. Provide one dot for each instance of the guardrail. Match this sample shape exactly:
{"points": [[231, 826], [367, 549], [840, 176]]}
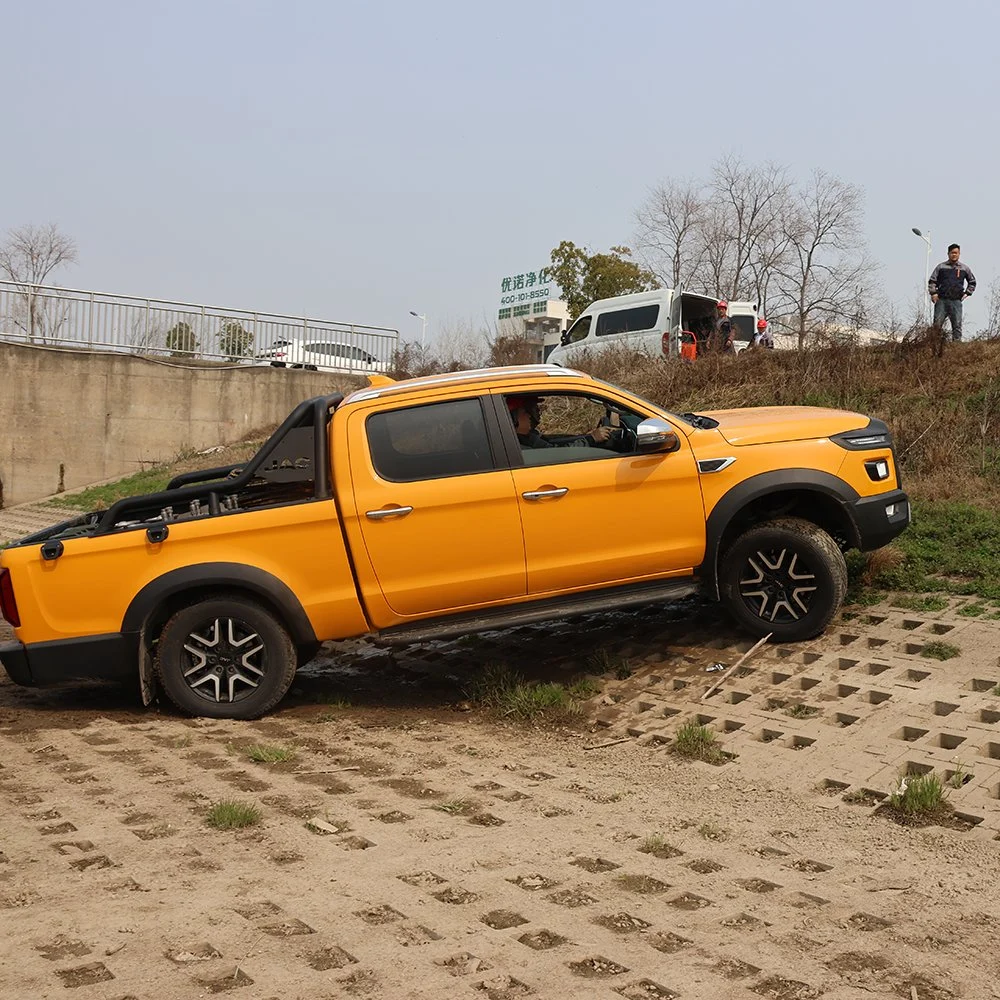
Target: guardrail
{"points": [[71, 317]]}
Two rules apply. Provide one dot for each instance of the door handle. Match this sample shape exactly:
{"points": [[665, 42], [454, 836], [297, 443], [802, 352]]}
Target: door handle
{"points": [[378, 515], [542, 494]]}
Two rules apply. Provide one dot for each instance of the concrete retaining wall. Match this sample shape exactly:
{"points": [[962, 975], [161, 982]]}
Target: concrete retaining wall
{"points": [[70, 418]]}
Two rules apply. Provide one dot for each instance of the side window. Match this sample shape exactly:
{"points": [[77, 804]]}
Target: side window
{"points": [[627, 320], [569, 427], [429, 442], [579, 330]]}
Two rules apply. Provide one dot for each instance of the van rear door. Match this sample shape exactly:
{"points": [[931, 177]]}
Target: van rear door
{"points": [[676, 323]]}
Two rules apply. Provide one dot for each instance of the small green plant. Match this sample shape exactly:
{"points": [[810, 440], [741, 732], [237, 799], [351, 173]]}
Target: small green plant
{"points": [[972, 610], [232, 814], [262, 753], [939, 650], [505, 692], [712, 831], [801, 711], [860, 796], [658, 847], [959, 776], [456, 807], [919, 799], [603, 662], [698, 743], [914, 602], [996, 690], [583, 688]]}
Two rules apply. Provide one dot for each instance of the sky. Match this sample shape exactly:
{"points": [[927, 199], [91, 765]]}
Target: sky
{"points": [[355, 161]]}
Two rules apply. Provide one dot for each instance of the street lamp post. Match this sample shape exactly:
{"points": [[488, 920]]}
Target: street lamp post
{"points": [[926, 237], [423, 327]]}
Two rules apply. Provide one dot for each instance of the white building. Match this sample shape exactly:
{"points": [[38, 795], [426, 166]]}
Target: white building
{"points": [[529, 303]]}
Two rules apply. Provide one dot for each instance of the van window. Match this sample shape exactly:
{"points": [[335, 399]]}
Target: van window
{"points": [[743, 328], [578, 331], [627, 320], [430, 441]]}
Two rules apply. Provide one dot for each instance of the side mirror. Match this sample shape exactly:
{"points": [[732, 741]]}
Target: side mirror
{"points": [[564, 338], [655, 434]]}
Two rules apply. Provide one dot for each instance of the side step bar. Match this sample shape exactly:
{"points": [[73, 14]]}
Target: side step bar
{"points": [[589, 602]]}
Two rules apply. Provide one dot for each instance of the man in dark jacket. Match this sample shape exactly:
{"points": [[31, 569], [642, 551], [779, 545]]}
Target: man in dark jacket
{"points": [[951, 283], [525, 414]]}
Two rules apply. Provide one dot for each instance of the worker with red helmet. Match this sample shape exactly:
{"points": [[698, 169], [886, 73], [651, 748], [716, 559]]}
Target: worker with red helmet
{"points": [[762, 338]]}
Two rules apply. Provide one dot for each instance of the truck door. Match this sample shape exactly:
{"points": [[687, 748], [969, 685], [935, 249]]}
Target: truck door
{"points": [[438, 522], [597, 517]]}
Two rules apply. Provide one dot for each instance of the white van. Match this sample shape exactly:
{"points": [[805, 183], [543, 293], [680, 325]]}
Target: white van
{"points": [[650, 321]]}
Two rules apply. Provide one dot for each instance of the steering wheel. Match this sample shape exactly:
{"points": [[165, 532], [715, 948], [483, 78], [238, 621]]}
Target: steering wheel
{"points": [[623, 438]]}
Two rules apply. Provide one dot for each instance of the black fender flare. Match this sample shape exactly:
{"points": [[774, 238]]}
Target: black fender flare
{"points": [[222, 576], [780, 481]]}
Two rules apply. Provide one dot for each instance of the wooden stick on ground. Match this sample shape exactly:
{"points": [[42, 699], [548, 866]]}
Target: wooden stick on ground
{"points": [[611, 743], [739, 663]]}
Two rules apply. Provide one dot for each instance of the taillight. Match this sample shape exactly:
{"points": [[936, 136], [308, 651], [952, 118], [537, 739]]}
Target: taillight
{"points": [[665, 343], [8, 606]]}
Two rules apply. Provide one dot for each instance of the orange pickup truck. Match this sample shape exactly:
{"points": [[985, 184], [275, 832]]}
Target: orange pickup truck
{"points": [[444, 505]]}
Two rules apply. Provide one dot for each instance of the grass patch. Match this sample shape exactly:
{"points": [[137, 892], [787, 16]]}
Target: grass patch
{"points": [[801, 711], [232, 814], [697, 743], [996, 690], [919, 801], [456, 807], [101, 497], [960, 776], [505, 692], [939, 650], [603, 662], [949, 547], [583, 688], [920, 602], [658, 847], [712, 831], [263, 753], [973, 610]]}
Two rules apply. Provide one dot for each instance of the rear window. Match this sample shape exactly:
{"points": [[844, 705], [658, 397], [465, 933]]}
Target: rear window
{"points": [[627, 320], [430, 441], [743, 328]]}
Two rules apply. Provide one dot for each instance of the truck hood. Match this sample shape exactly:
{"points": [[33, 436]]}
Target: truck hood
{"points": [[771, 424]]}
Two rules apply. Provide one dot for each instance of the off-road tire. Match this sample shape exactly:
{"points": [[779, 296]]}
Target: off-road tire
{"points": [[254, 659], [786, 576]]}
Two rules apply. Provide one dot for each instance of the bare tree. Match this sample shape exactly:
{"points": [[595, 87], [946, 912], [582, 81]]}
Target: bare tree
{"points": [[754, 202], [28, 256], [667, 235], [828, 270]]}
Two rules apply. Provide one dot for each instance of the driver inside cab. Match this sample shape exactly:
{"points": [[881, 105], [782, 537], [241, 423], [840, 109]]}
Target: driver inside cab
{"points": [[526, 416]]}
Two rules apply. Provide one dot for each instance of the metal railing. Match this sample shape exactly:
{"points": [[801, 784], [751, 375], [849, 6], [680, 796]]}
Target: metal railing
{"points": [[72, 318]]}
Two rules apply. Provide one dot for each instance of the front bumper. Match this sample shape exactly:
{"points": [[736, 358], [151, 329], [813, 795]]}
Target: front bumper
{"points": [[880, 519], [92, 657]]}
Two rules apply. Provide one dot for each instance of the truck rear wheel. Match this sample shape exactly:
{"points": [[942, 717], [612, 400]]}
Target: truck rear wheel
{"points": [[225, 658], [786, 577]]}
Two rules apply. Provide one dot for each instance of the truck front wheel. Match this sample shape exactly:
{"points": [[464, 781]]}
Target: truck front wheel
{"points": [[786, 577], [225, 658]]}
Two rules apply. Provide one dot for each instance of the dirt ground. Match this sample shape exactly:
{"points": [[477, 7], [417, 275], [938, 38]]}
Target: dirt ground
{"points": [[414, 848]]}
